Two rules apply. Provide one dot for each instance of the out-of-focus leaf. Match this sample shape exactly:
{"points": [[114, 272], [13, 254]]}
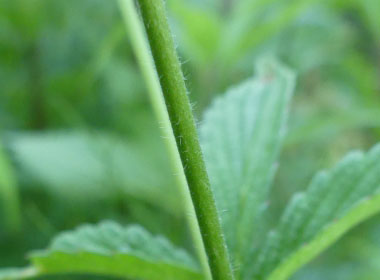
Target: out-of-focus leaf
{"points": [[17, 273], [199, 30], [317, 38], [245, 33], [362, 75], [320, 127], [372, 12], [241, 136], [80, 165]]}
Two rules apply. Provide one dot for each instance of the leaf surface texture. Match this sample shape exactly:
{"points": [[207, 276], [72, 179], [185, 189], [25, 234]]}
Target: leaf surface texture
{"points": [[334, 202], [241, 137], [113, 250]]}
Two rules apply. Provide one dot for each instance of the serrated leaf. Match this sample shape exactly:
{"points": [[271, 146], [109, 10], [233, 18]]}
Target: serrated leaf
{"points": [[241, 136], [113, 250], [335, 202]]}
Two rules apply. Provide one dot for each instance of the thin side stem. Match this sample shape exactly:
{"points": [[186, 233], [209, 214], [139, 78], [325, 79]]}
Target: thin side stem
{"points": [[9, 197], [141, 48], [184, 129]]}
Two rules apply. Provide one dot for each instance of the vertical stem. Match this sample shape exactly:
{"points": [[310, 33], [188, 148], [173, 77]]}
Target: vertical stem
{"points": [[184, 129], [9, 197], [38, 118], [141, 48]]}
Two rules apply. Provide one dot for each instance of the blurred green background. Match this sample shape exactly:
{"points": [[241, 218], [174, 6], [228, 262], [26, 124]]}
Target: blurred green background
{"points": [[79, 142]]}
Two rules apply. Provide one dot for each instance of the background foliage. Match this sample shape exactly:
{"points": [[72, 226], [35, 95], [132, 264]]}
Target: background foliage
{"points": [[80, 143]]}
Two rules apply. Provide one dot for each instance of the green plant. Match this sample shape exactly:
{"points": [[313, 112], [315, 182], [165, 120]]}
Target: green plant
{"points": [[8, 192], [241, 136]]}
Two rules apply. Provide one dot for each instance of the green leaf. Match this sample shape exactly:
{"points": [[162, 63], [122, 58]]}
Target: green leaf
{"points": [[335, 202], [256, 22], [78, 165], [199, 30], [17, 273], [113, 250], [241, 137], [371, 9], [324, 126]]}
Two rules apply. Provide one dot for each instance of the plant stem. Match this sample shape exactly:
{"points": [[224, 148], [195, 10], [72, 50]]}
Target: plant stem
{"points": [[37, 101], [9, 196], [184, 129], [141, 48]]}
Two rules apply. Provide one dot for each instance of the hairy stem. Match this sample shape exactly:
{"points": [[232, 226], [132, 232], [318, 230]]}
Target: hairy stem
{"points": [[184, 129], [141, 48]]}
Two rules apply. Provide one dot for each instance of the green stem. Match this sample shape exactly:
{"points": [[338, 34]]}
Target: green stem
{"points": [[9, 194], [184, 129], [144, 58]]}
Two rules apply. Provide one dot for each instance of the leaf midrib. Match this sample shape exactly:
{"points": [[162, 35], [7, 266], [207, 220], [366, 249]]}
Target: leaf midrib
{"points": [[331, 232]]}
